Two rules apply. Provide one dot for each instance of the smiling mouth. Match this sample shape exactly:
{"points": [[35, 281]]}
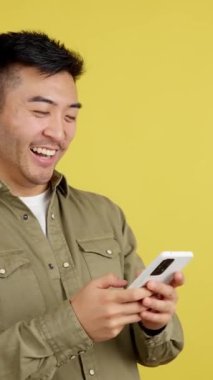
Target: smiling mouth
{"points": [[44, 152]]}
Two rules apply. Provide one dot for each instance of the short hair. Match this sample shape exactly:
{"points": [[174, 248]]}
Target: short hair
{"points": [[34, 49], [37, 50]]}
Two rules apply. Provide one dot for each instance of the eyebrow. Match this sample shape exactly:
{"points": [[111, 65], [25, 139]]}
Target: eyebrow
{"points": [[39, 98]]}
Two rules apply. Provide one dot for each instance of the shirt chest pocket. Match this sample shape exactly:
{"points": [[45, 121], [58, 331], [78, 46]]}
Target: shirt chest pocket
{"points": [[20, 295], [102, 256]]}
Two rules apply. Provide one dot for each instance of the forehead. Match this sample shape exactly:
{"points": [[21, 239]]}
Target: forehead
{"points": [[28, 81]]}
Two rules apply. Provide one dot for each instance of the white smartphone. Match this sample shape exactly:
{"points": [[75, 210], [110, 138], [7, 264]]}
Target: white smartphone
{"points": [[163, 268]]}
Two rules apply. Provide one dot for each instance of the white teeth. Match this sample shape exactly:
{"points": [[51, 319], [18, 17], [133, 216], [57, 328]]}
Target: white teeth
{"points": [[44, 151]]}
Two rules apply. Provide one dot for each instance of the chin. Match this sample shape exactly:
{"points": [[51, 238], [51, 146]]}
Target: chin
{"points": [[39, 181]]}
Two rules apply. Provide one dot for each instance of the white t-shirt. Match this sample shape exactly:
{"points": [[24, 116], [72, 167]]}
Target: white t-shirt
{"points": [[38, 204]]}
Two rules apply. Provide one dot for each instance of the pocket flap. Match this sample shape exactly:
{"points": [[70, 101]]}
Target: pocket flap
{"points": [[107, 247], [11, 260]]}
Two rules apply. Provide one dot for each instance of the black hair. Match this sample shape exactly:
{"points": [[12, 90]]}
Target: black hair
{"points": [[37, 50]]}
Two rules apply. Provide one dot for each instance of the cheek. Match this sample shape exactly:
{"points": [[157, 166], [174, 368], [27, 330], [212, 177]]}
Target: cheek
{"points": [[19, 127], [71, 131], [31, 129]]}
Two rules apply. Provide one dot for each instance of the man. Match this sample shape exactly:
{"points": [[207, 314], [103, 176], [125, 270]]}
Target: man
{"points": [[66, 255]]}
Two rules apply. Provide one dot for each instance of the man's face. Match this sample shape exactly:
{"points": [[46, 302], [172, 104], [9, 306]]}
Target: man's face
{"points": [[37, 124]]}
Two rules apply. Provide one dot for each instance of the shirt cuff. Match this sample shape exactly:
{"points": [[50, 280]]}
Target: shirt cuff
{"points": [[151, 332]]}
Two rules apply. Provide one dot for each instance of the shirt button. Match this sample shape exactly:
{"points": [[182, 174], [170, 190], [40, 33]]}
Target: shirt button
{"points": [[73, 357], [109, 251], [52, 216], [25, 217], [66, 264], [2, 271], [51, 266], [91, 372]]}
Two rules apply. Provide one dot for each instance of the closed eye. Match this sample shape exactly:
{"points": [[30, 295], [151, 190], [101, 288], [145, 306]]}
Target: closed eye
{"points": [[70, 118], [40, 113]]}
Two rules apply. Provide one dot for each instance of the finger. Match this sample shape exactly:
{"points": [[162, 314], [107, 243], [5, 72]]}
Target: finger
{"points": [[132, 308], [129, 295], [156, 318], [113, 311], [164, 290], [110, 280], [159, 306]]}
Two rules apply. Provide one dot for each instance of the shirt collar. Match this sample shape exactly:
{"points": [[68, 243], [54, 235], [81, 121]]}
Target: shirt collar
{"points": [[59, 182]]}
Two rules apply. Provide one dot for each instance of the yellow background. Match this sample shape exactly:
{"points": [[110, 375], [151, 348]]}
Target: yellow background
{"points": [[145, 133]]}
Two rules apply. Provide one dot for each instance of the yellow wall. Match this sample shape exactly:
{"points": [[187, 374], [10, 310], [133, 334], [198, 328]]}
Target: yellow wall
{"points": [[145, 133]]}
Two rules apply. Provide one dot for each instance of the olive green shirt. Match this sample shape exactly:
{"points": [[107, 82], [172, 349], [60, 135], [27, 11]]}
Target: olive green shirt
{"points": [[40, 335]]}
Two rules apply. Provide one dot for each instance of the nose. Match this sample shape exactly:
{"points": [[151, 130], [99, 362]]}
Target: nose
{"points": [[55, 129]]}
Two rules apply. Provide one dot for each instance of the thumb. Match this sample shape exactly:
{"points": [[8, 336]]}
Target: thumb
{"points": [[110, 280], [178, 280]]}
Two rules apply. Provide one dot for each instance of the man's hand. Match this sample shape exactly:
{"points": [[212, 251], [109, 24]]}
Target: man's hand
{"points": [[160, 307], [103, 307]]}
